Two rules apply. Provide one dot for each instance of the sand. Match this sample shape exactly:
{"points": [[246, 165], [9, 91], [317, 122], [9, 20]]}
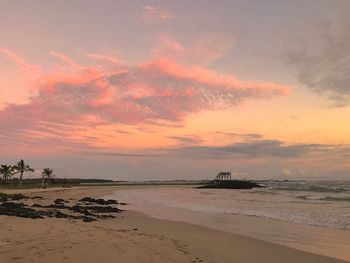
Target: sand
{"points": [[131, 237]]}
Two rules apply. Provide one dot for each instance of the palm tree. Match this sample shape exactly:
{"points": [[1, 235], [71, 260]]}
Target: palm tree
{"points": [[21, 167], [6, 171], [47, 172]]}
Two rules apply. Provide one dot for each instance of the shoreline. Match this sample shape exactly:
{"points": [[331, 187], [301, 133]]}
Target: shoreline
{"points": [[309, 238], [268, 232], [131, 237]]}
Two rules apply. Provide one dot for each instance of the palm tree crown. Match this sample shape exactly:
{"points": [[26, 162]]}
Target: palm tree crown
{"points": [[22, 167], [6, 171], [46, 173]]}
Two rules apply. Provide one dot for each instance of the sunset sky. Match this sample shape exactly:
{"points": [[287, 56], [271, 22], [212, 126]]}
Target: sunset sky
{"points": [[139, 90]]}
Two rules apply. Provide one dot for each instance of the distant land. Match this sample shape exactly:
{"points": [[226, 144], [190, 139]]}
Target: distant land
{"points": [[70, 182]]}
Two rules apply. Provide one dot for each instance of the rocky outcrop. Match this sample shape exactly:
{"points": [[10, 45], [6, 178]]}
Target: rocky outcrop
{"points": [[89, 200], [231, 184], [88, 212]]}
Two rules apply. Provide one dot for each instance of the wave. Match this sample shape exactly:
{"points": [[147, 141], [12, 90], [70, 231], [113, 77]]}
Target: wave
{"points": [[311, 187], [300, 219], [322, 209], [314, 188], [325, 198]]}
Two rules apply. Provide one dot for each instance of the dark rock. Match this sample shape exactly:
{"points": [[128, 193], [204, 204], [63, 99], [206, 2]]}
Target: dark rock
{"points": [[232, 184], [19, 210], [57, 206], [3, 199], [59, 214], [37, 197], [81, 209], [104, 209], [95, 209], [99, 201], [16, 197], [60, 201], [106, 216], [88, 219], [88, 213]]}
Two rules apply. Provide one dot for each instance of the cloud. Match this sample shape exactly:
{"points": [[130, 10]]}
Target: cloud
{"points": [[251, 149], [212, 46], [286, 172], [255, 148], [121, 154], [105, 58], [65, 59], [160, 92], [203, 50], [245, 136], [122, 131], [187, 139], [23, 64], [323, 61], [153, 14], [16, 58]]}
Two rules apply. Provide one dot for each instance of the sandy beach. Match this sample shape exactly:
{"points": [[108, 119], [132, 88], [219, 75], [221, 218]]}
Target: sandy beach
{"points": [[131, 237]]}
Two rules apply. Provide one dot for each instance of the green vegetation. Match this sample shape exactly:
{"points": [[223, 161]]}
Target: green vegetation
{"points": [[13, 177], [8, 171], [8, 179]]}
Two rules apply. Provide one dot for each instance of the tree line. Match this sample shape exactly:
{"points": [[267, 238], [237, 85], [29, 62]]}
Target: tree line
{"points": [[8, 171]]}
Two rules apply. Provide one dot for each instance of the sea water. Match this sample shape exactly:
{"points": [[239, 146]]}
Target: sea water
{"points": [[313, 216]]}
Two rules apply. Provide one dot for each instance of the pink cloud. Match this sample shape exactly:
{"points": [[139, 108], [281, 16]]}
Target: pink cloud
{"points": [[169, 45], [211, 46], [215, 79], [64, 58], [21, 62], [15, 58], [105, 58], [152, 14], [155, 92], [201, 51]]}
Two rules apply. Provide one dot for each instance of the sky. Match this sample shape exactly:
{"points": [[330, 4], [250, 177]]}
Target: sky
{"points": [[167, 90]]}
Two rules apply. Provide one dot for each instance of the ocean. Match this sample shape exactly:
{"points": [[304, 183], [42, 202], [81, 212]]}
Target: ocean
{"points": [[309, 215]]}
